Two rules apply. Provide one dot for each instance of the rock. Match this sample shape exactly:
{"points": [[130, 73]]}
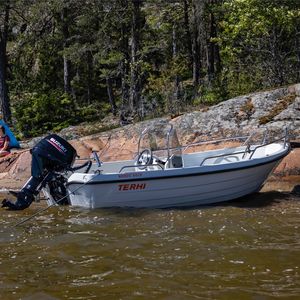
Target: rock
{"points": [[15, 169], [290, 165]]}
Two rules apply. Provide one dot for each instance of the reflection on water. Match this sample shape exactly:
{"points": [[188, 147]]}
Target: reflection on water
{"points": [[248, 249]]}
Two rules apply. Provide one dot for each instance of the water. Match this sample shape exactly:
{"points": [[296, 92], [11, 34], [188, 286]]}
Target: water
{"points": [[248, 249]]}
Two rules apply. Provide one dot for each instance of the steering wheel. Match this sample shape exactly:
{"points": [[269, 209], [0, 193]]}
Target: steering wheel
{"points": [[145, 158]]}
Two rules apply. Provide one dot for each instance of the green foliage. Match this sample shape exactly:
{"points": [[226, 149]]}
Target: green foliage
{"points": [[258, 43], [40, 113], [242, 46], [210, 95]]}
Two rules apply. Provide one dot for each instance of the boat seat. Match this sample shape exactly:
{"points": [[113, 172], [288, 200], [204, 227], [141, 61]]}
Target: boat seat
{"points": [[176, 161], [227, 159]]}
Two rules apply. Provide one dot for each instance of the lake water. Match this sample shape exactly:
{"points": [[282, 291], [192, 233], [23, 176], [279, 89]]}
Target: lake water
{"points": [[249, 249]]}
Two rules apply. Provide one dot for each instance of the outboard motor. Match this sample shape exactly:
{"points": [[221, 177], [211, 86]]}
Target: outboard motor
{"points": [[50, 157]]}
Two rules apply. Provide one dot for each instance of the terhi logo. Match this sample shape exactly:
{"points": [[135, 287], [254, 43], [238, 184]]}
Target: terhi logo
{"points": [[132, 186]]}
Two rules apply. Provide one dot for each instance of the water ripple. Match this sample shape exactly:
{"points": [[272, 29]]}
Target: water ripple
{"points": [[232, 251]]}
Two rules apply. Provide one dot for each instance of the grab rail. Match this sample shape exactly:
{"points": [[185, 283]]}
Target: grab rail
{"points": [[274, 141], [214, 141], [248, 148], [220, 155], [201, 143], [248, 144]]}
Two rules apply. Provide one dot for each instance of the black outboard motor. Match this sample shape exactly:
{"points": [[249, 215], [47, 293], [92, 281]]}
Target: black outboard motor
{"points": [[49, 157]]}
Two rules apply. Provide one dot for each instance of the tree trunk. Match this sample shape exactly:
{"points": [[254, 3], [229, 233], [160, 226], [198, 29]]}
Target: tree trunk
{"points": [[277, 64], [124, 65], [124, 82], [196, 49], [187, 30], [211, 49], [135, 70], [90, 76], [4, 98], [213, 55], [67, 62], [174, 100], [218, 59], [298, 56], [111, 96]]}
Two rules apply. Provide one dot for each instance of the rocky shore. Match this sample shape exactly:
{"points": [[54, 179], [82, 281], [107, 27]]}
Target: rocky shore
{"points": [[274, 110]]}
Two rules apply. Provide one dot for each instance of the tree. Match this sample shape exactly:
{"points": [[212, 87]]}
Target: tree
{"points": [[135, 82], [259, 43], [213, 54], [140, 58], [124, 63], [196, 47], [4, 27], [67, 62]]}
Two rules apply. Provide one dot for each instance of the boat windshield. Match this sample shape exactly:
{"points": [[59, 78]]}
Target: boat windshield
{"points": [[161, 140]]}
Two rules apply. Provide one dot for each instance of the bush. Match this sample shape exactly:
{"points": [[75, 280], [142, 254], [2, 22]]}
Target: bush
{"points": [[39, 113]]}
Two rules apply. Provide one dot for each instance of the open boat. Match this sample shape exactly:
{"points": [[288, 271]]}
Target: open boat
{"points": [[173, 176]]}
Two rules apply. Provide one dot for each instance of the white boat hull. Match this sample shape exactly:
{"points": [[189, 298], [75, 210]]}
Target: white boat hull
{"points": [[174, 179], [176, 190]]}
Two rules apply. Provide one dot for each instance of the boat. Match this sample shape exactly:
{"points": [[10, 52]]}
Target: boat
{"points": [[165, 174]]}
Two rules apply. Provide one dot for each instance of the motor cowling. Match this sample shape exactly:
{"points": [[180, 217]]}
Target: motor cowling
{"points": [[51, 155], [56, 153]]}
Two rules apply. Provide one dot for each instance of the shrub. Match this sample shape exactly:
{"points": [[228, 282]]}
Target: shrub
{"points": [[38, 113]]}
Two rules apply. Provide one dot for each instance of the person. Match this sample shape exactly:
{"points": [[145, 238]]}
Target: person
{"points": [[4, 142]]}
